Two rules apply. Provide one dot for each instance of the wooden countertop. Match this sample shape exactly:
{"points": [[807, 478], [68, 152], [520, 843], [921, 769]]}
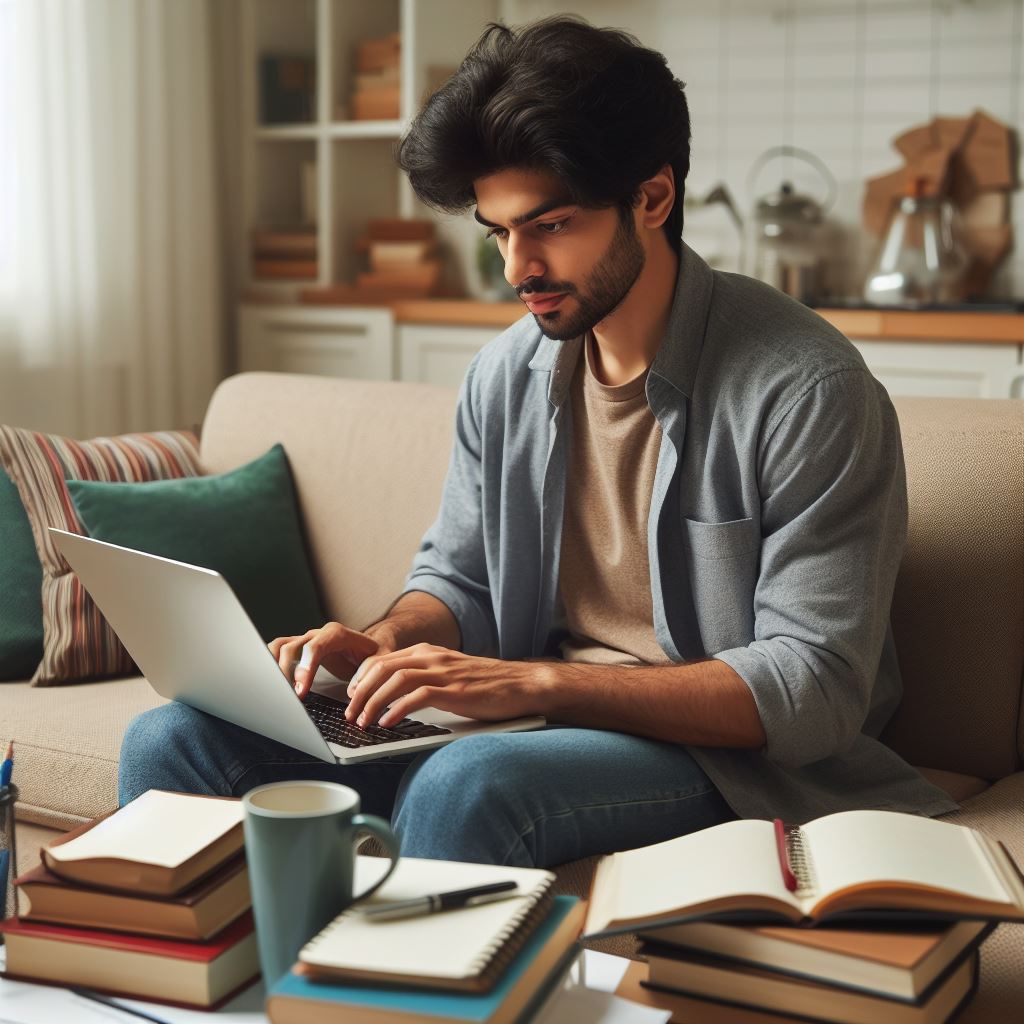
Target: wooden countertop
{"points": [[862, 324], [855, 323]]}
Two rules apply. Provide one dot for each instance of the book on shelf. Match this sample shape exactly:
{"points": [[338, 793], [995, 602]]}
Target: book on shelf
{"points": [[378, 54], [866, 864], [397, 229], [379, 79], [551, 947], [284, 243], [285, 269], [380, 104], [384, 255], [461, 951], [197, 913], [159, 844], [423, 277], [896, 962], [714, 980], [287, 89], [200, 975]]}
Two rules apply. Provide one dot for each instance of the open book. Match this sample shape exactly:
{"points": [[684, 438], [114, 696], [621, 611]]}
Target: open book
{"points": [[839, 865]]}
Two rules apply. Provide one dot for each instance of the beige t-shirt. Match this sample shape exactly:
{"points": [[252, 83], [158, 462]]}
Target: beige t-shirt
{"points": [[605, 578]]}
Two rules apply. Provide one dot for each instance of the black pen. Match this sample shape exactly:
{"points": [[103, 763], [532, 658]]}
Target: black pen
{"points": [[84, 993], [454, 900]]}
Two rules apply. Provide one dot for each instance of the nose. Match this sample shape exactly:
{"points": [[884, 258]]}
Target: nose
{"points": [[521, 261]]}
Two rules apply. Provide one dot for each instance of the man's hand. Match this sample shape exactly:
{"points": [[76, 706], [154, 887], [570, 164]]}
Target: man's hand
{"points": [[391, 686], [339, 649]]}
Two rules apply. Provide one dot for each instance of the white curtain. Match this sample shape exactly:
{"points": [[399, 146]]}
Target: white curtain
{"points": [[110, 294]]}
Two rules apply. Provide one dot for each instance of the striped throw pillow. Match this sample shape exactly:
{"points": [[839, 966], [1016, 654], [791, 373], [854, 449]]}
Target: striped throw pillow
{"points": [[77, 642]]}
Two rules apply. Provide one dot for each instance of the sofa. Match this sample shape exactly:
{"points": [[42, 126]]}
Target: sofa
{"points": [[369, 461]]}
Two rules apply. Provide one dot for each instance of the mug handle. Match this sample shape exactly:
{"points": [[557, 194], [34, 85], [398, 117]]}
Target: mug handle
{"points": [[379, 829]]}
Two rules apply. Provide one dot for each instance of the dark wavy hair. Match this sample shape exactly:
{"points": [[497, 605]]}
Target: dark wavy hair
{"points": [[591, 105]]}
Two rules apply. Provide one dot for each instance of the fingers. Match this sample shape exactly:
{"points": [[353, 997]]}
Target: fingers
{"points": [[376, 674], [398, 685], [287, 650]]}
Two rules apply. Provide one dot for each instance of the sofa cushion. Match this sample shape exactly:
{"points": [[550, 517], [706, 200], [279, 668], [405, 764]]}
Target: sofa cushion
{"points": [[77, 641], [66, 746], [999, 813], [21, 580], [958, 611], [244, 524], [369, 460]]}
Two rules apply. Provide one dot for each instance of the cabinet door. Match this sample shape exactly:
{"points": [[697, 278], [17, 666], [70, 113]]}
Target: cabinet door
{"points": [[354, 343], [439, 354], [941, 369]]}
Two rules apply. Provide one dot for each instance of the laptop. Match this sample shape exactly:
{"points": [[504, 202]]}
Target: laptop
{"points": [[189, 634]]}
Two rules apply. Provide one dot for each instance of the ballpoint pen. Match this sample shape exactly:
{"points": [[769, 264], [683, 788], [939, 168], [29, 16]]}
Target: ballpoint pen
{"points": [[454, 900], [84, 993], [7, 767]]}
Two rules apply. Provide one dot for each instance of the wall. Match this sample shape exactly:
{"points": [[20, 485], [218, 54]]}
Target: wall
{"points": [[838, 77]]}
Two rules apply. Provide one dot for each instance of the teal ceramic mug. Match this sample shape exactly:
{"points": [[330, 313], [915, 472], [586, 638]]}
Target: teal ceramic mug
{"points": [[300, 840]]}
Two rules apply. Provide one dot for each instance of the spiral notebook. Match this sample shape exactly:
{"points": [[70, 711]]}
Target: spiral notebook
{"points": [[463, 950]]}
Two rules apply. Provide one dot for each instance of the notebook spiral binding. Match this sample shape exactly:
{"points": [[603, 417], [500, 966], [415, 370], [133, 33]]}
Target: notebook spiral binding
{"points": [[800, 862], [501, 952]]}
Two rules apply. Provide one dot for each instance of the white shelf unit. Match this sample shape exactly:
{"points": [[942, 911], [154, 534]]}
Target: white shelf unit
{"points": [[356, 177]]}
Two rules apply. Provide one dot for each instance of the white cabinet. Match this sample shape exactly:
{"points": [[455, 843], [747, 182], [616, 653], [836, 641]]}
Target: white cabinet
{"points": [[351, 342], [439, 353], [945, 369]]}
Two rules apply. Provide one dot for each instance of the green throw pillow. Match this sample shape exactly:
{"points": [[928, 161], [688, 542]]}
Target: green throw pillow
{"points": [[21, 581], [244, 524]]}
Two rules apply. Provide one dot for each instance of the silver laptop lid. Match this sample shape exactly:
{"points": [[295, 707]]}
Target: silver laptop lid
{"points": [[188, 633]]}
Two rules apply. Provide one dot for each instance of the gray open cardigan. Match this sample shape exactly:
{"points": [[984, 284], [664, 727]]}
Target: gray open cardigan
{"points": [[778, 519]]}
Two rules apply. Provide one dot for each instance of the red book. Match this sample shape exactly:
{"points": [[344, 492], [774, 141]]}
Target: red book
{"points": [[195, 974]]}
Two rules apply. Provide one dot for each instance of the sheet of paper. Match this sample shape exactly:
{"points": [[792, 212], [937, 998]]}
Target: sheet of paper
{"points": [[587, 997], [156, 828]]}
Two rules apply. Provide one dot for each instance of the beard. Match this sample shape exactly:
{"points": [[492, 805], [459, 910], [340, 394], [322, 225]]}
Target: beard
{"points": [[603, 290]]}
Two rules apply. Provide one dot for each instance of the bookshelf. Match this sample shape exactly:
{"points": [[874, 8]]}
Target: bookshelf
{"points": [[351, 176]]}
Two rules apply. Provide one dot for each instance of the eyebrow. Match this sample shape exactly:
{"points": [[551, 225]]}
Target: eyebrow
{"points": [[524, 218]]}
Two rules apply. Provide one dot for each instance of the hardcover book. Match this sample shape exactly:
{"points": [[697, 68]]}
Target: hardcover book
{"points": [[845, 865]]}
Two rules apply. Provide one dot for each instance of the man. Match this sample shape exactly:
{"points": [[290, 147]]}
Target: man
{"points": [[672, 521]]}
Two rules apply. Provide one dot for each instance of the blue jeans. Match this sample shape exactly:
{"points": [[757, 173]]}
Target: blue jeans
{"points": [[531, 799]]}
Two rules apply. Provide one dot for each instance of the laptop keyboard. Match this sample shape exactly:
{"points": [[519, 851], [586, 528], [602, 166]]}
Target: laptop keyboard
{"points": [[328, 716]]}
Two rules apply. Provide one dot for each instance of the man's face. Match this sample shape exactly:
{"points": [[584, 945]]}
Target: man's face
{"points": [[572, 266]]}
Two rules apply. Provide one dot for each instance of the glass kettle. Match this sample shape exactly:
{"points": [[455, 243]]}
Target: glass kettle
{"points": [[920, 260]]}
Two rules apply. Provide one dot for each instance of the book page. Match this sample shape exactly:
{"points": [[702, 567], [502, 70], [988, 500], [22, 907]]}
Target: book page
{"points": [[164, 829], [737, 857], [857, 847]]}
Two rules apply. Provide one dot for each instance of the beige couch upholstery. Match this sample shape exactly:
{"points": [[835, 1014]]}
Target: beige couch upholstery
{"points": [[369, 460]]}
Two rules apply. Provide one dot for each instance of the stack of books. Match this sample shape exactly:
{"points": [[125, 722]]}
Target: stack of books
{"points": [[376, 87], [401, 261], [492, 962], [285, 253], [863, 916], [151, 902], [400, 254], [873, 975]]}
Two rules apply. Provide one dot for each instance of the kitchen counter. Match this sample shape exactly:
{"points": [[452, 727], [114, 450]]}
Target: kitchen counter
{"points": [[868, 324]]}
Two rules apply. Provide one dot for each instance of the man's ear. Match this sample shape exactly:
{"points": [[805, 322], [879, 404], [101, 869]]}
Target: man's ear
{"points": [[657, 196]]}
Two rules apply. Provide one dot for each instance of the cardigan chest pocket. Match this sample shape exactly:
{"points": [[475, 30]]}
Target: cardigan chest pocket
{"points": [[722, 560]]}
